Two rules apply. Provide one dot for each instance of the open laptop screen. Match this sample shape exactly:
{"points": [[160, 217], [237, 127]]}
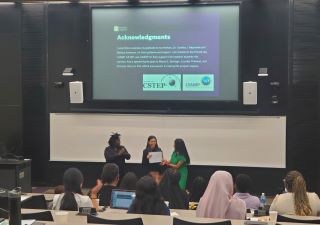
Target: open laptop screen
{"points": [[121, 199]]}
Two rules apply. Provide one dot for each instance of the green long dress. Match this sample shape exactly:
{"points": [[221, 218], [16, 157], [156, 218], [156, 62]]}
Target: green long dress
{"points": [[175, 158]]}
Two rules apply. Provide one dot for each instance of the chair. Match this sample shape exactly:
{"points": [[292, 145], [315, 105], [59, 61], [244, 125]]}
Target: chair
{"points": [[4, 201], [281, 218], [43, 216], [177, 221], [94, 219], [4, 213], [35, 202]]}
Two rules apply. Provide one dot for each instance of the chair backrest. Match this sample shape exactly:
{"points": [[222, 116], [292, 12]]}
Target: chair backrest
{"points": [[281, 218], [4, 213], [4, 202], [177, 221], [94, 219], [43, 216], [35, 202]]}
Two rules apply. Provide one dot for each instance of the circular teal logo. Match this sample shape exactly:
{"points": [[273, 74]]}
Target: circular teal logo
{"points": [[206, 80], [172, 82]]}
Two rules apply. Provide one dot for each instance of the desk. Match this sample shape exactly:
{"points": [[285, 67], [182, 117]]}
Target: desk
{"points": [[74, 219], [48, 197]]}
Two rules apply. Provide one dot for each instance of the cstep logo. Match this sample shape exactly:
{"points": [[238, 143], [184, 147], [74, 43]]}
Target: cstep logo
{"points": [[161, 82]]}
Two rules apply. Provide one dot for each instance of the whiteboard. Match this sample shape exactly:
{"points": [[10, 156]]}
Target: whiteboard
{"points": [[249, 141]]}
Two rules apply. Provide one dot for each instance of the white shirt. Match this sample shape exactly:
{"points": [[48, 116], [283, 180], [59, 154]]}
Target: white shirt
{"points": [[82, 201], [284, 204]]}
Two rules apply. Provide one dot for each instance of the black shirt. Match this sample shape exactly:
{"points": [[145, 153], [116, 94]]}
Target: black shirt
{"points": [[145, 160], [112, 155], [104, 195]]}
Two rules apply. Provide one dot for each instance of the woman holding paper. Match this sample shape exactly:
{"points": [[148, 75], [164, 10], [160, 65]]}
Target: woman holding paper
{"points": [[152, 164], [179, 161]]}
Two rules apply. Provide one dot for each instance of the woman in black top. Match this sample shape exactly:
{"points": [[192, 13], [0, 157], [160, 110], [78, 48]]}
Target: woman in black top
{"points": [[171, 192], [116, 153], [198, 188], [148, 200], [152, 146]]}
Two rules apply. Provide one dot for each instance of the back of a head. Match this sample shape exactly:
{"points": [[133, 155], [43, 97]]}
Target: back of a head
{"points": [[147, 199], [72, 181], [243, 183], [181, 148], [198, 187], [216, 199], [128, 181], [296, 184], [110, 173], [171, 178], [170, 190]]}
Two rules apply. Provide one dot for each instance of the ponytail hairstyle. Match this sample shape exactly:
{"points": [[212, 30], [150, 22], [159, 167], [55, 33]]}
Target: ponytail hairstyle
{"points": [[296, 184], [72, 181]]}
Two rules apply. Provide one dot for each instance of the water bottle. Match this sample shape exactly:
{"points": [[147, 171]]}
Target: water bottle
{"points": [[15, 206], [263, 200]]}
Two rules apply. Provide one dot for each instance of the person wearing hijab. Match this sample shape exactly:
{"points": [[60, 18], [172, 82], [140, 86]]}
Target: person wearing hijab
{"points": [[218, 201]]}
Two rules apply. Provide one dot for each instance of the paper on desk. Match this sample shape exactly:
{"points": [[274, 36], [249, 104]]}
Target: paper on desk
{"points": [[156, 157], [174, 214], [27, 222], [25, 197]]}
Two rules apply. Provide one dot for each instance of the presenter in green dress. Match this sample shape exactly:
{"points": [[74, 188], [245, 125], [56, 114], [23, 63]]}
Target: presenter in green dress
{"points": [[179, 161]]}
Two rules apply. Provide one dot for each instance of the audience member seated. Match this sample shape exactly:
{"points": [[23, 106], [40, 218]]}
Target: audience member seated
{"points": [[109, 181], [171, 192], [198, 187], [128, 181], [157, 176], [148, 200], [243, 188], [72, 197], [218, 201], [296, 201]]}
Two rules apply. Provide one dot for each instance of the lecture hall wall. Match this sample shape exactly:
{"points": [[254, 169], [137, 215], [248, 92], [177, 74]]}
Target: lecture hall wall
{"points": [[285, 33]]}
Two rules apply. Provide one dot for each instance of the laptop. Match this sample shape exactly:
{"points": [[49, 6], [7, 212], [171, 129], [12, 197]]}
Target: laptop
{"points": [[121, 199]]}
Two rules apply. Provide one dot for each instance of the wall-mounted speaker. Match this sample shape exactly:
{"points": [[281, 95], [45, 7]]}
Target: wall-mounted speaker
{"points": [[76, 91], [250, 93]]}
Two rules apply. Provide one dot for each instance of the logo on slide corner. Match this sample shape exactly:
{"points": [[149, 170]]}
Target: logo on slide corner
{"points": [[161, 82], [119, 29], [205, 80], [198, 82]]}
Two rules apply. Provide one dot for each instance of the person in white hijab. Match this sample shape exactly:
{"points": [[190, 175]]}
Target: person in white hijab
{"points": [[218, 201]]}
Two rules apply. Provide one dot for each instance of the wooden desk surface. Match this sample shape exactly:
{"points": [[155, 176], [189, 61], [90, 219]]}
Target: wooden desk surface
{"points": [[187, 215], [48, 197]]}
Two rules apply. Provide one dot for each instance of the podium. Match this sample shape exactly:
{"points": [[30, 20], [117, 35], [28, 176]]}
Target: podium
{"points": [[15, 173]]}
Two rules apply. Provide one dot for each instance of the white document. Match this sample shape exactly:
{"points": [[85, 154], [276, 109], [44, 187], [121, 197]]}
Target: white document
{"points": [[156, 157], [25, 197], [27, 222]]}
